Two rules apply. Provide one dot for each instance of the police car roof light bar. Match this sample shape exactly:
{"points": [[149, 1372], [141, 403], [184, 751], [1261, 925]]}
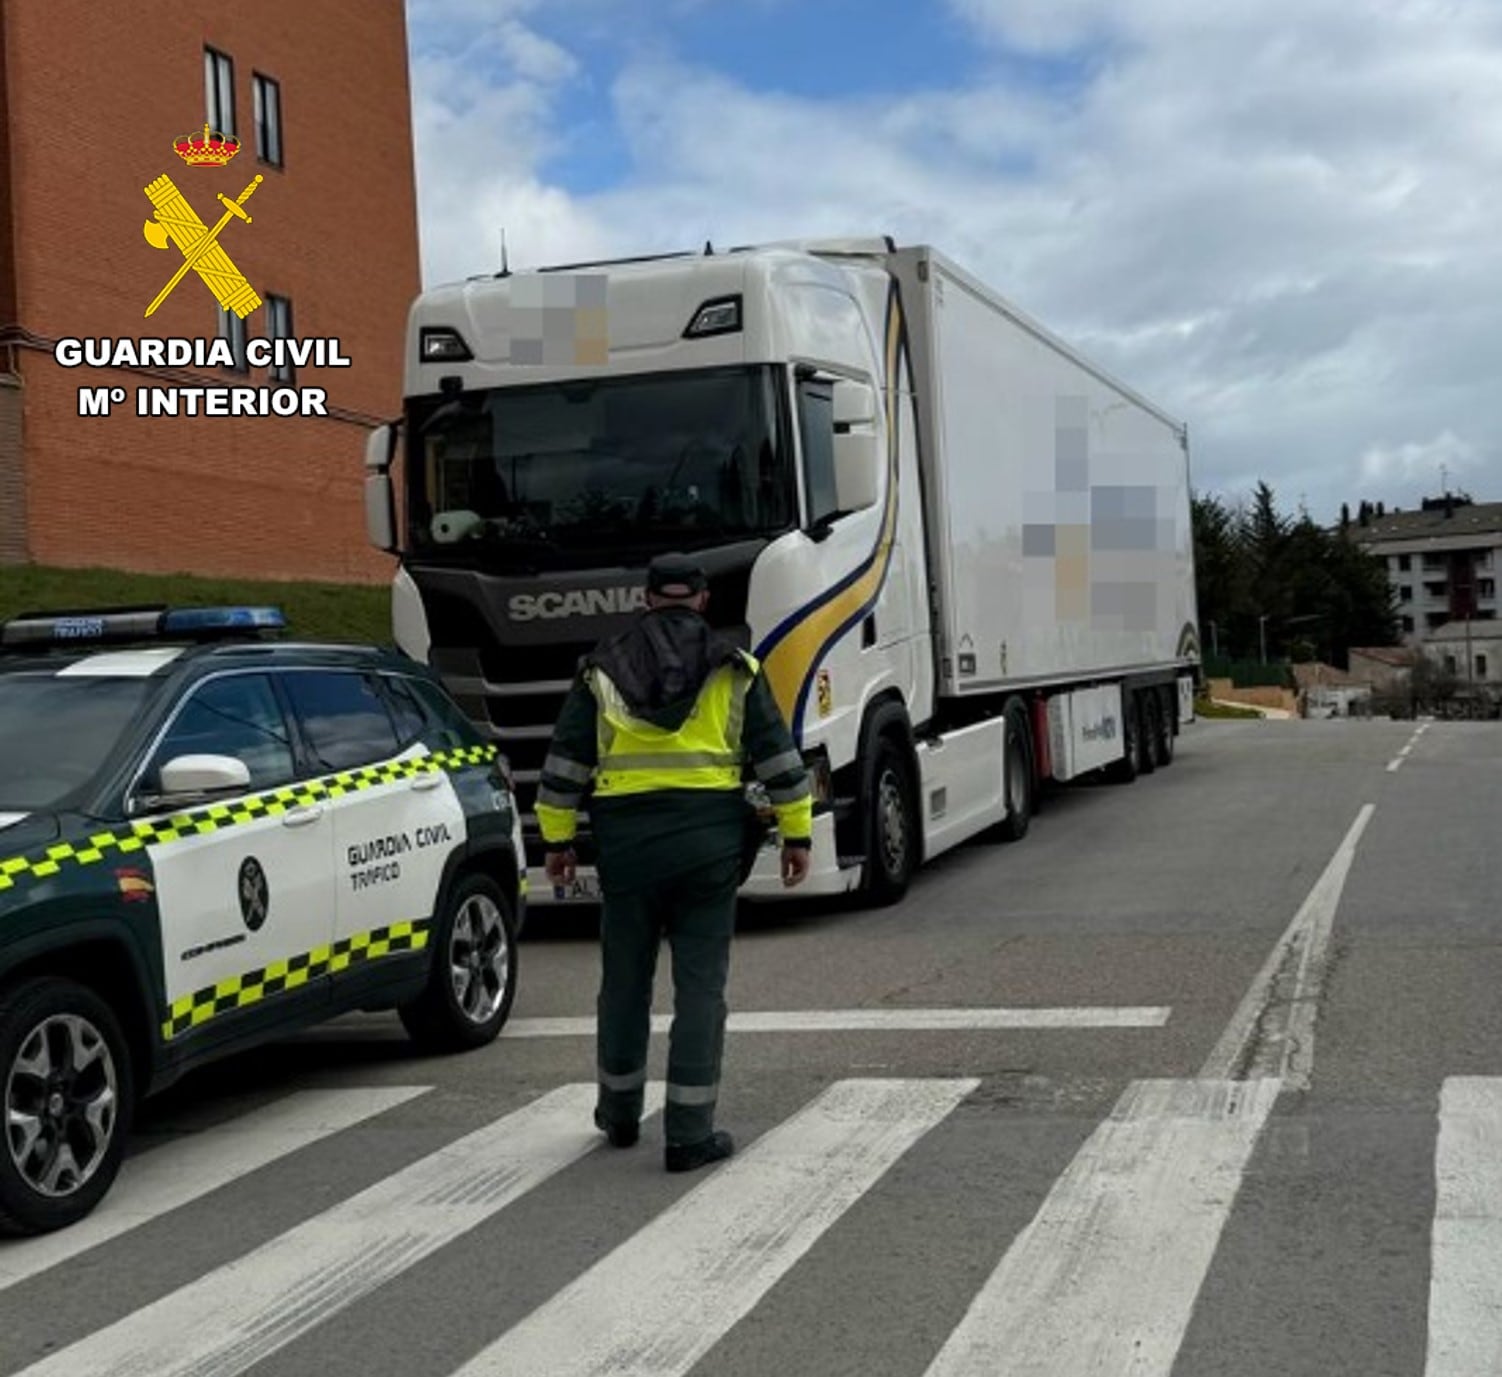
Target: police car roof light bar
{"points": [[198, 621], [114, 625]]}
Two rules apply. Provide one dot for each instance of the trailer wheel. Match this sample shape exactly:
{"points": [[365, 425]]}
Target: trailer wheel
{"points": [[891, 826], [1149, 724], [1125, 770], [1017, 755], [1163, 740]]}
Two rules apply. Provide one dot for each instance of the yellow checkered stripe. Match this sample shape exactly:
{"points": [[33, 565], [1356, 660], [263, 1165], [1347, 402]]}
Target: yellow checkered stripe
{"points": [[201, 822], [241, 990]]}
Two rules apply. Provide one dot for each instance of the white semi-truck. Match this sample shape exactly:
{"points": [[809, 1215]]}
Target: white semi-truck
{"points": [[961, 552]]}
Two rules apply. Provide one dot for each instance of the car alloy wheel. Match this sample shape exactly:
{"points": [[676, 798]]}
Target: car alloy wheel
{"points": [[62, 1098], [479, 958]]}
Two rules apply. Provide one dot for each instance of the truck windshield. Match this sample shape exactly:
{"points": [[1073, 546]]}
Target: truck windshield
{"points": [[56, 731], [588, 472]]}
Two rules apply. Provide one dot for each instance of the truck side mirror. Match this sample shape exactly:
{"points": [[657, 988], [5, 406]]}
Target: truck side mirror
{"points": [[857, 461], [380, 499]]}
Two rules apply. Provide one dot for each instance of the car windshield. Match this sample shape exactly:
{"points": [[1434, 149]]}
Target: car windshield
{"points": [[586, 472], [56, 731]]}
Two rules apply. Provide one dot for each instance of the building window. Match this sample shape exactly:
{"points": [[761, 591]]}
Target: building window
{"points": [[1405, 593], [1481, 666], [1433, 562], [268, 112], [1435, 620], [1407, 626], [1437, 588], [232, 328], [1449, 664], [219, 91], [1405, 563], [279, 326], [1487, 588]]}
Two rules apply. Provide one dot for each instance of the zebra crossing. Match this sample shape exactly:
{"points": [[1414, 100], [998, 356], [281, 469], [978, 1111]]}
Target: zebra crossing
{"points": [[1103, 1279]]}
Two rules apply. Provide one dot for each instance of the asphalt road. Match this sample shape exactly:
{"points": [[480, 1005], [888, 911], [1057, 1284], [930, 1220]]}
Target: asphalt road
{"points": [[1262, 1133]]}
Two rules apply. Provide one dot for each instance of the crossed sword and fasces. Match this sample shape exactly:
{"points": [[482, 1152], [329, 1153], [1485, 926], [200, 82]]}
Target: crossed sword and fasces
{"points": [[178, 222]]}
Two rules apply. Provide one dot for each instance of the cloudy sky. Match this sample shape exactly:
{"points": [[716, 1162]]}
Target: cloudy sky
{"points": [[1280, 219]]}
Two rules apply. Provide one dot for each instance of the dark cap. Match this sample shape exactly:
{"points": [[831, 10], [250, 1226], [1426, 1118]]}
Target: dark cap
{"points": [[675, 576]]}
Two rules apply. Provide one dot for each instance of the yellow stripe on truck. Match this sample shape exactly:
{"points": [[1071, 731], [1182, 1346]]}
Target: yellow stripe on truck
{"points": [[790, 663]]}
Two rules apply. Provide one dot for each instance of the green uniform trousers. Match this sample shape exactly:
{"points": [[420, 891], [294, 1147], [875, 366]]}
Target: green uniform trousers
{"points": [[696, 909]]}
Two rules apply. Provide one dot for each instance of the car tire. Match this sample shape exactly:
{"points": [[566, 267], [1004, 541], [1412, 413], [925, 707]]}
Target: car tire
{"points": [[1017, 761], [892, 838], [68, 1090], [472, 980]]}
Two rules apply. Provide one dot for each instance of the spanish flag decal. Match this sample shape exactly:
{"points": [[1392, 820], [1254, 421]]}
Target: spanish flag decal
{"points": [[792, 652], [135, 888]]}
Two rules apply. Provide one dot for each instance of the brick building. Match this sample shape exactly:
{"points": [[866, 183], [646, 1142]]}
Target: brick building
{"points": [[94, 98]]}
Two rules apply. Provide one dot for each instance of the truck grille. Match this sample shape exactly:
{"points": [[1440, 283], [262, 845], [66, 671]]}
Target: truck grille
{"points": [[519, 716]]}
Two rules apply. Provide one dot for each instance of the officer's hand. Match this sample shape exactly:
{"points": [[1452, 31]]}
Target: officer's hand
{"points": [[795, 864], [560, 866]]}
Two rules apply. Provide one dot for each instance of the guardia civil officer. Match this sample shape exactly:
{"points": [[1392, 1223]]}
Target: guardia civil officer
{"points": [[662, 719]]}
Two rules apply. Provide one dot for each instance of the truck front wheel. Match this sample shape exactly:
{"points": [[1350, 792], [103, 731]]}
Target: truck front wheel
{"points": [[891, 826]]}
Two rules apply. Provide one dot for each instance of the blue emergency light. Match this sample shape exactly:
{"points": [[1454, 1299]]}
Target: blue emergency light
{"points": [[134, 624]]}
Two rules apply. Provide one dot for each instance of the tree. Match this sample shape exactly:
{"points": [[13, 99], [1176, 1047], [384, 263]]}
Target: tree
{"points": [[1307, 589]]}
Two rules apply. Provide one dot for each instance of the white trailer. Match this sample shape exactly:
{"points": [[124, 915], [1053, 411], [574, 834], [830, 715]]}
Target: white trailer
{"points": [[961, 552]]}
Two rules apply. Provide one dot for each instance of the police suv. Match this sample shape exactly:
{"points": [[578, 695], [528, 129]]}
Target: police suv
{"points": [[209, 838]]}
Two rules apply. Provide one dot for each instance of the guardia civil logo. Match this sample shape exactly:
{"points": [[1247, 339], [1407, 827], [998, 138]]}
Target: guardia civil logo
{"points": [[176, 223]]}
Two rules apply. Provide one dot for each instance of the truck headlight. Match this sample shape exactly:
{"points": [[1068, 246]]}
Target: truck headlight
{"points": [[440, 344]]}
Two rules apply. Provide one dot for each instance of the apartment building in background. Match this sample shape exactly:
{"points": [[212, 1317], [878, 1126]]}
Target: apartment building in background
{"points": [[96, 99], [1444, 563]]}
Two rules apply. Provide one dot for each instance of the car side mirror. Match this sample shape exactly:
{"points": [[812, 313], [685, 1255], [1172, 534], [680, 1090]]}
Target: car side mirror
{"points": [[190, 779], [380, 499]]}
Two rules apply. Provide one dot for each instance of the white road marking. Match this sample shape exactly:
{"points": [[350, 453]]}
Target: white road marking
{"points": [[182, 1171], [1104, 1278], [1255, 1042], [1465, 1283], [1394, 764], [661, 1300], [875, 1021], [234, 1317]]}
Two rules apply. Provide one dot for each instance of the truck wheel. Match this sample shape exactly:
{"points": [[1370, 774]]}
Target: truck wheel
{"points": [[1149, 725], [1018, 758], [473, 976], [891, 826], [1124, 771], [66, 1076], [1163, 741]]}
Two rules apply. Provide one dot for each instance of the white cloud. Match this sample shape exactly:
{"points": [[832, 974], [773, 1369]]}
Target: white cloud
{"points": [[1276, 217], [1443, 459]]}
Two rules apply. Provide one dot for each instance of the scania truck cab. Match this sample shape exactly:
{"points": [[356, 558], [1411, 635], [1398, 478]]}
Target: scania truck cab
{"points": [[855, 474]]}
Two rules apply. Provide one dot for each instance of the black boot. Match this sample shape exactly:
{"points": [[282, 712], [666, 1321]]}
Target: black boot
{"points": [[691, 1156], [621, 1134]]}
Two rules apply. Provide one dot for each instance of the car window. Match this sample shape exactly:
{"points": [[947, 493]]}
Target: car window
{"points": [[237, 716], [343, 718], [56, 732], [411, 720], [453, 728]]}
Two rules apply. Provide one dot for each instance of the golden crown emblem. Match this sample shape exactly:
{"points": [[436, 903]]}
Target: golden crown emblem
{"points": [[208, 148]]}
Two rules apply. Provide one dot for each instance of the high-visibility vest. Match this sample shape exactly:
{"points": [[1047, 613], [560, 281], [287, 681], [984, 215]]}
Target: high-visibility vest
{"points": [[636, 757]]}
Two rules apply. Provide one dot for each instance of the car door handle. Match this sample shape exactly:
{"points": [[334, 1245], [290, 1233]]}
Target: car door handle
{"points": [[301, 817], [429, 780]]}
